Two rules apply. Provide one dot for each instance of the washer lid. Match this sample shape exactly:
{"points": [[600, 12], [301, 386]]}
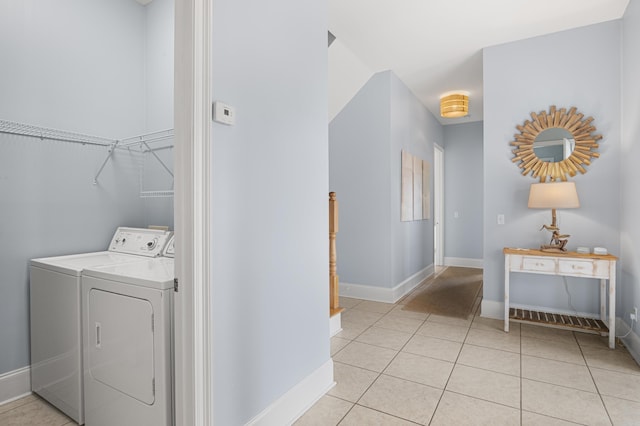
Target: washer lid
{"points": [[74, 264], [154, 273]]}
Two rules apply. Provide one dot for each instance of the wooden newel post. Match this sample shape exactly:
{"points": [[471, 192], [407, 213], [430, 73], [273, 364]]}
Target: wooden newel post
{"points": [[334, 301]]}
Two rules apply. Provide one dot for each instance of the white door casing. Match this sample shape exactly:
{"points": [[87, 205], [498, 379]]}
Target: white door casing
{"points": [[438, 205], [192, 109]]}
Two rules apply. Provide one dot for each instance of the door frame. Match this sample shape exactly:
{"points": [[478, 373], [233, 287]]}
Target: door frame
{"points": [[193, 353], [438, 205]]}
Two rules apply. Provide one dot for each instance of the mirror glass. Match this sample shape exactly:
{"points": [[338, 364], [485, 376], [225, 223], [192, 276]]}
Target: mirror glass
{"points": [[554, 144]]}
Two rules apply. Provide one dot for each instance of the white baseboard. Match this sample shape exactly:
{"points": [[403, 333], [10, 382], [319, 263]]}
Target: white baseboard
{"points": [[631, 342], [335, 324], [463, 262], [293, 404], [385, 294], [492, 309], [15, 384]]}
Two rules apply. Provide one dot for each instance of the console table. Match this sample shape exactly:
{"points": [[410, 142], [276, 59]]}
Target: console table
{"points": [[570, 264]]}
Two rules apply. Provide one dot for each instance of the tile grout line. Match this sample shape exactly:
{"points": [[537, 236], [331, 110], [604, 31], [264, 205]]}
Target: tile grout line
{"points": [[388, 364], [391, 361], [455, 363], [378, 372], [594, 381]]}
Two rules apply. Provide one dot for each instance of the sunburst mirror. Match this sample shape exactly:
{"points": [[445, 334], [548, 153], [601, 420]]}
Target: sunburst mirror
{"points": [[555, 144]]}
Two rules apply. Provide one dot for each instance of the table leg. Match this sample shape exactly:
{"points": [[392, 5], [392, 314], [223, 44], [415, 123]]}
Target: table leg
{"points": [[507, 263], [612, 305], [603, 300]]}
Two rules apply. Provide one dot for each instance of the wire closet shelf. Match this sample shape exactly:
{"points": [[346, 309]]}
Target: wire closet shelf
{"points": [[140, 143]]}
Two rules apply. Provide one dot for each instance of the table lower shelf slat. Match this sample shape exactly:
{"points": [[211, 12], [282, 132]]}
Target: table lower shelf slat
{"points": [[565, 322]]}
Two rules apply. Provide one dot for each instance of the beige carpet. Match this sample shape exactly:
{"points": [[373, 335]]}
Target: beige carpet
{"points": [[452, 293]]}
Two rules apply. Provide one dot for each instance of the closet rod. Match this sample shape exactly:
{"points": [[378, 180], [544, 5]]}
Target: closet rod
{"points": [[20, 129]]}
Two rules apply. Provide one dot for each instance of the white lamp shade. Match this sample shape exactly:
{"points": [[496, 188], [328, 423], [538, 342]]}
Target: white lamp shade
{"points": [[553, 195]]}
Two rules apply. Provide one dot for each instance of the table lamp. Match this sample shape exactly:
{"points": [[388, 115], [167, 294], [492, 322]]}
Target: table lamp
{"points": [[554, 195]]}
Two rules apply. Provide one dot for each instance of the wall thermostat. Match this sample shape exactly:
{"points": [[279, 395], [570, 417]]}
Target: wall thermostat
{"points": [[223, 113]]}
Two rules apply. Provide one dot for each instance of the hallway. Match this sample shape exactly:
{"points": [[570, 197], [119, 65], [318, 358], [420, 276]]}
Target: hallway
{"points": [[397, 367]]}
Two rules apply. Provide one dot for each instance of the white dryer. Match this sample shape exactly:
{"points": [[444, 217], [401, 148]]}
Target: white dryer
{"points": [[128, 335], [55, 314]]}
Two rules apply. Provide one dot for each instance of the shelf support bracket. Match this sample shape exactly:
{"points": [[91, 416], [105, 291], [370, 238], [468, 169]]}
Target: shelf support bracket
{"points": [[158, 158], [112, 148]]}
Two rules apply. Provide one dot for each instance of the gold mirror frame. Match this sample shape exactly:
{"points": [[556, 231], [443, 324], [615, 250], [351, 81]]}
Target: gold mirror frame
{"points": [[585, 144]]}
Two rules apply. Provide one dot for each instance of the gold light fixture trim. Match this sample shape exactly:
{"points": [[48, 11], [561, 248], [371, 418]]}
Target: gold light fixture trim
{"points": [[454, 105]]}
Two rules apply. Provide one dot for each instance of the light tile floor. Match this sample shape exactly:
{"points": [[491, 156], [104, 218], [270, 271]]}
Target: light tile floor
{"points": [[33, 411], [397, 367]]}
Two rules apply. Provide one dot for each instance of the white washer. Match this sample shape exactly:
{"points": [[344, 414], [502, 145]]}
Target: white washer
{"points": [[128, 337], [56, 314]]}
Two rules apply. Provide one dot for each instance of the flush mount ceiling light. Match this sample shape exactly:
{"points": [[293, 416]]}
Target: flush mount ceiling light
{"points": [[454, 104]]}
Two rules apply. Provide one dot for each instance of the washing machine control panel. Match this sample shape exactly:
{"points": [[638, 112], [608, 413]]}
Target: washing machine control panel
{"points": [[140, 241]]}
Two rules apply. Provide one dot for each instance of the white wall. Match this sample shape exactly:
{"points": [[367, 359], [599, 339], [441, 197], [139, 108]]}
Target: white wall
{"points": [[629, 284], [347, 75], [270, 203], [581, 68], [463, 193]]}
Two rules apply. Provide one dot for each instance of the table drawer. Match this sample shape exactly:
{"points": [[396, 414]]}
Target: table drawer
{"points": [[584, 268], [537, 264]]}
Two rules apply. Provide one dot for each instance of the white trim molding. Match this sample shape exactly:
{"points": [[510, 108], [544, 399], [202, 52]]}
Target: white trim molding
{"points": [[463, 262], [335, 324], [492, 309], [293, 404], [192, 109], [385, 294], [15, 384]]}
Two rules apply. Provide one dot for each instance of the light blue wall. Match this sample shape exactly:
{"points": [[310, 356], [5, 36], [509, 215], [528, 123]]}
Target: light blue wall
{"points": [[629, 284], [75, 66], [366, 139], [359, 173], [463, 191], [579, 68], [413, 129], [270, 203], [159, 25]]}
